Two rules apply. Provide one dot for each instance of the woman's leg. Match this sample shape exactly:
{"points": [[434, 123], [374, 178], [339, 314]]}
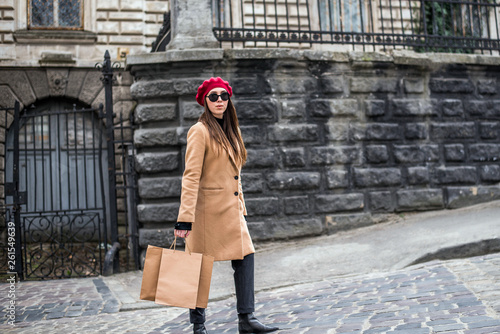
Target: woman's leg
{"points": [[197, 315], [245, 299], [244, 284], [197, 318]]}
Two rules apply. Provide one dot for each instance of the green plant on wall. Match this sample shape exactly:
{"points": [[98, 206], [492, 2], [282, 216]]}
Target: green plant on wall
{"points": [[450, 26]]}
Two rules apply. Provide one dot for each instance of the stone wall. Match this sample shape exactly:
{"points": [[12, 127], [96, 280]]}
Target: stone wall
{"points": [[335, 140]]}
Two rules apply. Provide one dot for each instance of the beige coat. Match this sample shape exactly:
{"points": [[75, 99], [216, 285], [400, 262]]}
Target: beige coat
{"points": [[212, 199]]}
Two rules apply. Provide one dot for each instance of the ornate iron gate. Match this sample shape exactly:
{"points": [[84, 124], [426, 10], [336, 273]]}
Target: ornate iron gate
{"points": [[59, 155], [61, 189]]}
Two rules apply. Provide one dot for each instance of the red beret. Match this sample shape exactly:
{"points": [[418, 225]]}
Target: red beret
{"points": [[210, 84]]}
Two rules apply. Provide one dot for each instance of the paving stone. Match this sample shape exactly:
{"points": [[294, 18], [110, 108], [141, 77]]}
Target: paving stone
{"points": [[416, 331], [55, 315], [377, 330], [485, 323], [487, 330], [408, 326], [73, 314], [34, 317]]}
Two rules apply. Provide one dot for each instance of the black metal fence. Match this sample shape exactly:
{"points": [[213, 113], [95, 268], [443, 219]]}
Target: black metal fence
{"points": [[420, 25], [58, 192], [126, 187], [69, 205], [123, 197]]}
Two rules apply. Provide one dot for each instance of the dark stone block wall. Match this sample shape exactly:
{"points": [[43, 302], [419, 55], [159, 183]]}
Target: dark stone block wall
{"points": [[334, 140]]}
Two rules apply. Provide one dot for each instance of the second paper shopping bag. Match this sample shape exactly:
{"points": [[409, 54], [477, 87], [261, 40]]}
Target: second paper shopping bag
{"points": [[184, 279]]}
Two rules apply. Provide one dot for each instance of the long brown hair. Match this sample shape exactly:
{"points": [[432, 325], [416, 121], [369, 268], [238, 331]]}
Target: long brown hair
{"points": [[229, 136]]}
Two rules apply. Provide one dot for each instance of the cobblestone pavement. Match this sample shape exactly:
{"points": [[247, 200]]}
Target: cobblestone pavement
{"points": [[456, 296]]}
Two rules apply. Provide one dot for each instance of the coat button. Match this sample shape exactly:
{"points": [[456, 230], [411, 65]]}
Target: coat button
{"points": [[236, 193], [236, 177]]}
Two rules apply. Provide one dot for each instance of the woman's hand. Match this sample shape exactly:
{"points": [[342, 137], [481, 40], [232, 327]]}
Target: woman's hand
{"points": [[181, 233]]}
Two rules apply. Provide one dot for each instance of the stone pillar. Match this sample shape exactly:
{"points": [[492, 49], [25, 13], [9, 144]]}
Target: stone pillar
{"points": [[191, 25]]}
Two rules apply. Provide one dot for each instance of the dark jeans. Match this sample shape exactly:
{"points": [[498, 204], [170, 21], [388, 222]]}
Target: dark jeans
{"points": [[244, 285]]}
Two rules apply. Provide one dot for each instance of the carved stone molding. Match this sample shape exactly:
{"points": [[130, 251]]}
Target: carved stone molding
{"points": [[58, 80]]}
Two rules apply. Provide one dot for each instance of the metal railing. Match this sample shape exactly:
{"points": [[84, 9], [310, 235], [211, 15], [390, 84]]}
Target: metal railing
{"points": [[421, 25]]}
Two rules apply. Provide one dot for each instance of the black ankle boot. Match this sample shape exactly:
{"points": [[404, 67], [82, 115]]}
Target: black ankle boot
{"points": [[199, 329], [249, 324]]}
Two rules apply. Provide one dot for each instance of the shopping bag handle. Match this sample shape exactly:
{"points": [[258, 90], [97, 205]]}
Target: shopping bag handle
{"points": [[175, 242]]}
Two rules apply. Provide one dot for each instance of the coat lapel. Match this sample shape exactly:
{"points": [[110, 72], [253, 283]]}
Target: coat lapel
{"points": [[230, 154], [231, 158]]}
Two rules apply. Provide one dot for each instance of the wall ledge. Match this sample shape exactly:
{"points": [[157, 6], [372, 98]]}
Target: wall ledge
{"points": [[171, 56], [263, 53], [37, 63], [398, 57], [55, 37]]}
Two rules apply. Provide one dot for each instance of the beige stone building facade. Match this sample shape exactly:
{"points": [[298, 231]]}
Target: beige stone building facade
{"points": [[120, 26]]}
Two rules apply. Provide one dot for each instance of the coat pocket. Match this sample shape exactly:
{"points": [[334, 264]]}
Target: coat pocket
{"points": [[211, 190]]}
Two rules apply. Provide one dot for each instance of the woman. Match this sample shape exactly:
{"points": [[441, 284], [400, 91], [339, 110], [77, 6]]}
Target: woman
{"points": [[211, 215]]}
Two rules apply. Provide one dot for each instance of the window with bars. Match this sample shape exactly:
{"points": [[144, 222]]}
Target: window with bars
{"points": [[56, 14], [343, 15]]}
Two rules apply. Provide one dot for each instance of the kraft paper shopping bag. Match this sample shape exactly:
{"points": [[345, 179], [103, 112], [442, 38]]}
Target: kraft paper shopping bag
{"points": [[205, 279], [150, 273], [176, 278], [179, 278]]}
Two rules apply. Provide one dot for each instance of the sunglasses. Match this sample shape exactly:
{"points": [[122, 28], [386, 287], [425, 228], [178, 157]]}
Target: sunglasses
{"points": [[214, 97]]}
